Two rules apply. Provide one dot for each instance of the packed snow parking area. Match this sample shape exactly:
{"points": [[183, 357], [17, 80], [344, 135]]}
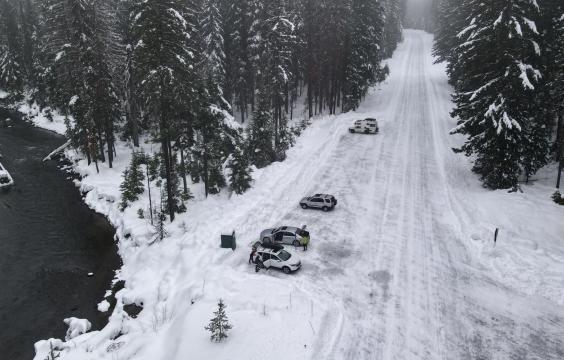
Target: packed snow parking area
{"points": [[403, 268]]}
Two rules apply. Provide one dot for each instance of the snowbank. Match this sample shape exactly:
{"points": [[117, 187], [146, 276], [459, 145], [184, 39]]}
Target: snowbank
{"points": [[76, 327], [45, 118]]}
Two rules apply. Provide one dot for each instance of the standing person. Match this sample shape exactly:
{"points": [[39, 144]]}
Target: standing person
{"points": [[258, 262], [304, 241], [252, 255]]}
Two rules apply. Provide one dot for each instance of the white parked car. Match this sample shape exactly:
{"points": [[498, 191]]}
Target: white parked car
{"points": [[365, 126], [278, 258]]}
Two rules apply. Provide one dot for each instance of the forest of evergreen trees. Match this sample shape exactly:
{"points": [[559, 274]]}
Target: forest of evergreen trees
{"points": [[506, 63], [173, 71]]}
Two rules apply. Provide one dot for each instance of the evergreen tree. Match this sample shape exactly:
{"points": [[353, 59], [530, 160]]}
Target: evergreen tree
{"points": [[173, 183], [239, 170], [77, 45], [159, 227], [241, 62], [363, 67], [393, 26], [261, 148], [276, 45], [494, 100], [133, 180], [219, 324], [164, 62], [211, 28], [11, 67], [451, 19], [552, 101], [208, 148], [29, 30]]}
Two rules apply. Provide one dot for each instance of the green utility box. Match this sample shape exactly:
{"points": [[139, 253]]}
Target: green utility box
{"points": [[228, 240]]}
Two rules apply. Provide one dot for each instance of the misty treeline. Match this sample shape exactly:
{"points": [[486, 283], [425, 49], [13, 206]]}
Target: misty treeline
{"points": [[506, 63], [176, 71]]}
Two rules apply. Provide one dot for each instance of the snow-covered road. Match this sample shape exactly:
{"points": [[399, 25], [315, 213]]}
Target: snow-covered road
{"points": [[413, 286], [404, 268]]}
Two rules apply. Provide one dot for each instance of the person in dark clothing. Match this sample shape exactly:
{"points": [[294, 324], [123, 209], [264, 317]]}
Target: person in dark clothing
{"points": [[304, 241], [251, 257], [258, 262]]}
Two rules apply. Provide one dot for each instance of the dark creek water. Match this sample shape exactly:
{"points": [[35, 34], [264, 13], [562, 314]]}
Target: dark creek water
{"points": [[49, 242]]}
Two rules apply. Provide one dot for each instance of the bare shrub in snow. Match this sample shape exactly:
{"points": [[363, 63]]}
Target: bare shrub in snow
{"points": [[53, 354]]}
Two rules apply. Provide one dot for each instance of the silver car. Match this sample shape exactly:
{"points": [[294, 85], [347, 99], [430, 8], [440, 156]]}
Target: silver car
{"points": [[324, 202], [288, 235]]}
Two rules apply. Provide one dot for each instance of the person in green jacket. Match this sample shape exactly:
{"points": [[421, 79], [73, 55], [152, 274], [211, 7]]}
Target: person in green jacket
{"points": [[304, 241]]}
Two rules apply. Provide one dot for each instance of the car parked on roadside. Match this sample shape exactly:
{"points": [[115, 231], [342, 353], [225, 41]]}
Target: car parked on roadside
{"points": [[279, 258], [324, 202], [283, 235], [365, 126]]}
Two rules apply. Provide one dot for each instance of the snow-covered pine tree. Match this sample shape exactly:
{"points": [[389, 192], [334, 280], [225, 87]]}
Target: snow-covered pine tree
{"points": [[77, 45], [219, 324], [363, 66], [335, 18], [11, 66], [208, 146], [260, 133], [295, 81], [239, 169], [29, 30], [275, 47], [559, 89], [392, 27], [494, 99], [552, 99], [126, 72], [173, 183], [451, 19], [162, 32], [55, 56], [211, 28], [133, 180], [241, 63]]}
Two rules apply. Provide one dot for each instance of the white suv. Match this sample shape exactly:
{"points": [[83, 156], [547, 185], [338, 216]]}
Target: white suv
{"points": [[366, 126], [279, 258]]}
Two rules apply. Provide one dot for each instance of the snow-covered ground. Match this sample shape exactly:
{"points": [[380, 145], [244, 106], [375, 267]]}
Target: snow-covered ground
{"points": [[404, 268], [41, 118]]}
